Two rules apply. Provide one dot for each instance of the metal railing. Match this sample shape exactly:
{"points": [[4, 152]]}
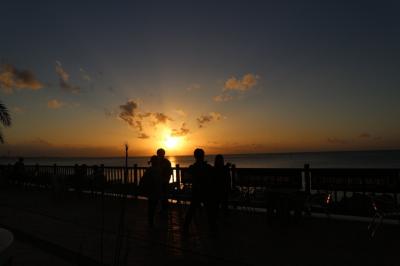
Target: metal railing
{"points": [[340, 183]]}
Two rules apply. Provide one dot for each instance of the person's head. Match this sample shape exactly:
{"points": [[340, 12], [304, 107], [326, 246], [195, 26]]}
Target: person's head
{"points": [[199, 154], [161, 152], [21, 159], [153, 160], [219, 160]]}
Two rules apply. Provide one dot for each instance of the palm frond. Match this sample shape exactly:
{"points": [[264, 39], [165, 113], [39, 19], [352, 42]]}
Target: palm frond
{"points": [[5, 117]]}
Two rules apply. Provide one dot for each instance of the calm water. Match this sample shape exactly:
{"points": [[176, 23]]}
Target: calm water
{"points": [[359, 159]]}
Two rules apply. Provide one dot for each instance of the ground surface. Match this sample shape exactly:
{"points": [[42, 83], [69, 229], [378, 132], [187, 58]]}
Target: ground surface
{"points": [[67, 231]]}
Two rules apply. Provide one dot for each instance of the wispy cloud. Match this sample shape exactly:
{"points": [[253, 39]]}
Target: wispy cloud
{"points": [[12, 78], [180, 112], [55, 104], [247, 82], [40, 141], [160, 118], [361, 138], [223, 97], [369, 137], [365, 136], [18, 110], [109, 112], [84, 75], [143, 136], [63, 78], [193, 87], [111, 90], [182, 131], [338, 141], [234, 85], [208, 118]]}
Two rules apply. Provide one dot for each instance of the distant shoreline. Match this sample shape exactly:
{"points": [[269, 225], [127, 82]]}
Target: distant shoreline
{"points": [[213, 154]]}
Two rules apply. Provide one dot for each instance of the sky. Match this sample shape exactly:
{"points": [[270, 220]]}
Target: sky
{"points": [[84, 78]]}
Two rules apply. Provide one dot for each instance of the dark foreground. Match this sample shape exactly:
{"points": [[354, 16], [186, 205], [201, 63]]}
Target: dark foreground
{"points": [[67, 231]]}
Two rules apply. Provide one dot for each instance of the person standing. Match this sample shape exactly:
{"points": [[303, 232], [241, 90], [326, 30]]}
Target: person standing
{"points": [[19, 172], [151, 184], [223, 180], [165, 172], [203, 191]]}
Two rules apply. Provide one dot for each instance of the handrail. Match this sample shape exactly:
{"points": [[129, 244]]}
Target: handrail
{"points": [[115, 174]]}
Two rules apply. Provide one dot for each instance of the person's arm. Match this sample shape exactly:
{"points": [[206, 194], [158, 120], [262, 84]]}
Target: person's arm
{"points": [[169, 168]]}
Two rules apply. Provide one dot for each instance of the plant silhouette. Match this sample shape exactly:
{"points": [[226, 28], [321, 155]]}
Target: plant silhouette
{"points": [[5, 119]]}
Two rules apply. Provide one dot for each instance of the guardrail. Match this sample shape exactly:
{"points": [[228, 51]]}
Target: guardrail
{"points": [[338, 183]]}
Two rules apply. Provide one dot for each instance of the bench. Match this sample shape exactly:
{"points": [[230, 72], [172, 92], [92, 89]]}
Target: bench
{"points": [[374, 192], [277, 190]]}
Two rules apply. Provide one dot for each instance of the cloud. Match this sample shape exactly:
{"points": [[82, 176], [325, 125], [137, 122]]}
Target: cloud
{"points": [[359, 139], [338, 141], [364, 136], [12, 78], [369, 137], [193, 87], [108, 112], [55, 104], [18, 110], [40, 141], [84, 75], [111, 90], [127, 113], [182, 131], [143, 136], [234, 85], [211, 117], [223, 97], [160, 118], [247, 82], [62, 74], [180, 112], [63, 78]]}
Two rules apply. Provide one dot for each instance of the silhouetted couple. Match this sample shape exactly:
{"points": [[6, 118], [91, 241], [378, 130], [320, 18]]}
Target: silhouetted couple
{"points": [[154, 184], [210, 187]]}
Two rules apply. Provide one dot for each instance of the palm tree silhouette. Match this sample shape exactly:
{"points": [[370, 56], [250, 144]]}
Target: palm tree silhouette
{"points": [[5, 119]]}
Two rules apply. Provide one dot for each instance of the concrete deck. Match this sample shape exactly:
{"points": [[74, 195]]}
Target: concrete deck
{"points": [[67, 231]]}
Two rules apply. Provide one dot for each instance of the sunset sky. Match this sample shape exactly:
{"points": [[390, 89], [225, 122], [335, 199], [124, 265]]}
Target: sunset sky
{"points": [[83, 78]]}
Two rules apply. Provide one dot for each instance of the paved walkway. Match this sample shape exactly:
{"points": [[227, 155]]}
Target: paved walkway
{"points": [[69, 231]]}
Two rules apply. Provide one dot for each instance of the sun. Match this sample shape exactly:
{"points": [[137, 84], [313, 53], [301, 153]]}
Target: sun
{"points": [[172, 142]]}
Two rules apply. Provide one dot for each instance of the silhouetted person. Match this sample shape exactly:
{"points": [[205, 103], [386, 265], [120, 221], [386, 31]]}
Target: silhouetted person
{"points": [[152, 186], [203, 191], [98, 181], [19, 171], [223, 181], [165, 171], [80, 174]]}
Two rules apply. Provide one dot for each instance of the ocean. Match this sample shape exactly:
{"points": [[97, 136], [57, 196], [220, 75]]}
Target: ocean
{"points": [[345, 159]]}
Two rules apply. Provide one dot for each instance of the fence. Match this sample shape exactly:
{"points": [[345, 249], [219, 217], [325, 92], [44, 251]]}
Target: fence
{"points": [[340, 183]]}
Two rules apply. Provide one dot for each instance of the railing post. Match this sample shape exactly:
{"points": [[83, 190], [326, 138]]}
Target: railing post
{"points": [[135, 175], [36, 175], [233, 176], [54, 180], [102, 171], [307, 179], [178, 175]]}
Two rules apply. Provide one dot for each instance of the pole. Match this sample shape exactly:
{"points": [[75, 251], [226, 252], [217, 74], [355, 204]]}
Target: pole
{"points": [[119, 240]]}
